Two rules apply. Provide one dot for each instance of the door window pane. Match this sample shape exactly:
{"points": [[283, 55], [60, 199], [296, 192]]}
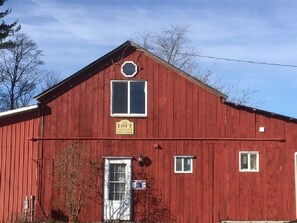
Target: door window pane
{"points": [[117, 181], [116, 191]]}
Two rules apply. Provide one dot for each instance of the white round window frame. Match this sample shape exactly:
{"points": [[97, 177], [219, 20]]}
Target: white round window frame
{"points": [[136, 69]]}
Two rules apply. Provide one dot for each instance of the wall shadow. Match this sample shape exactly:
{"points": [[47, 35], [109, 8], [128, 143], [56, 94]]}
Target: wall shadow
{"points": [[147, 204]]}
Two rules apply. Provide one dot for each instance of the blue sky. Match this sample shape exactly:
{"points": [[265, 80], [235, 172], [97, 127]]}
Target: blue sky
{"points": [[74, 33]]}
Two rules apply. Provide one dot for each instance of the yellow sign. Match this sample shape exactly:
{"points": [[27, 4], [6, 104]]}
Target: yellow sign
{"points": [[124, 127]]}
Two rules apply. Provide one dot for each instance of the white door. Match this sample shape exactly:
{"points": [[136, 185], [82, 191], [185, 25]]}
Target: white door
{"points": [[117, 189]]}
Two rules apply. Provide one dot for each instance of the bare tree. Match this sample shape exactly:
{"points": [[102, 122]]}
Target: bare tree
{"points": [[19, 72], [76, 175], [50, 78], [172, 46], [242, 96]]}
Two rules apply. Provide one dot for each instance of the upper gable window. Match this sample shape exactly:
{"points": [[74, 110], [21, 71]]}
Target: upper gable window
{"points": [[129, 69], [129, 98]]}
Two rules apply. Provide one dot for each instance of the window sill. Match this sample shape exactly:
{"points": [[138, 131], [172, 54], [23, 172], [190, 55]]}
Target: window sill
{"points": [[184, 172], [249, 171], [129, 115]]}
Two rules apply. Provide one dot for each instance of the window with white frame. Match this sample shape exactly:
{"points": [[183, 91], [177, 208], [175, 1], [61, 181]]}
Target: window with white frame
{"points": [[249, 161], [183, 164], [129, 69], [129, 98]]}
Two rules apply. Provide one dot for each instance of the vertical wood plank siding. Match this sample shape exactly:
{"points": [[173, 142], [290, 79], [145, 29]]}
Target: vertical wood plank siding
{"points": [[177, 108], [18, 156]]}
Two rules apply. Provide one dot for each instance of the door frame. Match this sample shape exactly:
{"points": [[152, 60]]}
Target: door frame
{"points": [[105, 202]]}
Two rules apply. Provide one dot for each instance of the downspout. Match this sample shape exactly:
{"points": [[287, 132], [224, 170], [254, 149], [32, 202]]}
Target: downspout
{"points": [[40, 157]]}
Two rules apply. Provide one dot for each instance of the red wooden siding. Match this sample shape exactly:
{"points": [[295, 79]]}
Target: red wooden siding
{"points": [[18, 165], [184, 118], [215, 191]]}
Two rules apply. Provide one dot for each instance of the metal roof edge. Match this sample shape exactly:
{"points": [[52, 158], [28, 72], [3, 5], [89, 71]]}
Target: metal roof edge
{"points": [[260, 111], [39, 96], [17, 111]]}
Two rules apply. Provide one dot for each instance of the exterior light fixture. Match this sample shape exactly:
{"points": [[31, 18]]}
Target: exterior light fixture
{"points": [[140, 160]]}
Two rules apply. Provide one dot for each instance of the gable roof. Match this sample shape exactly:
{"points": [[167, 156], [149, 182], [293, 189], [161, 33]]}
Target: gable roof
{"points": [[104, 61], [107, 60]]}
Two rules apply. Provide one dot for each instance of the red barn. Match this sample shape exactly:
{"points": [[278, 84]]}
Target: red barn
{"points": [[171, 147]]}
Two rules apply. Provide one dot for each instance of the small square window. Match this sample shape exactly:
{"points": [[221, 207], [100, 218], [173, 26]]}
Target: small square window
{"points": [[129, 98], [249, 161], [183, 164]]}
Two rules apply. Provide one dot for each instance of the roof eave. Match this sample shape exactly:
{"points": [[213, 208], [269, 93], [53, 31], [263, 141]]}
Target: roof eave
{"points": [[260, 111], [44, 93]]}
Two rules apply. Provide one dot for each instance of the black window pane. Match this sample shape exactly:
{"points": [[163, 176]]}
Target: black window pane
{"points": [[119, 97], [178, 164], [137, 97], [244, 161], [187, 164]]}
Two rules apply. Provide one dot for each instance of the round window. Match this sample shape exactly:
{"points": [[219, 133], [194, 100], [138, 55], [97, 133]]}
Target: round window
{"points": [[129, 69]]}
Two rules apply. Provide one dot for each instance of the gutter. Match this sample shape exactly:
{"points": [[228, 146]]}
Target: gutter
{"points": [[17, 111]]}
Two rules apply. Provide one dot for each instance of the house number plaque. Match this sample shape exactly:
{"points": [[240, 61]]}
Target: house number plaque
{"points": [[124, 127], [139, 185]]}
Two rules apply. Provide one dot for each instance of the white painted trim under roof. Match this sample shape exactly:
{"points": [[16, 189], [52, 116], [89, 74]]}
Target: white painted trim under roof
{"points": [[17, 111]]}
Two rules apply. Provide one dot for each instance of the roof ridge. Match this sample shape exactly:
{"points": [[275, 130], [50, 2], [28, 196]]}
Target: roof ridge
{"points": [[137, 47]]}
